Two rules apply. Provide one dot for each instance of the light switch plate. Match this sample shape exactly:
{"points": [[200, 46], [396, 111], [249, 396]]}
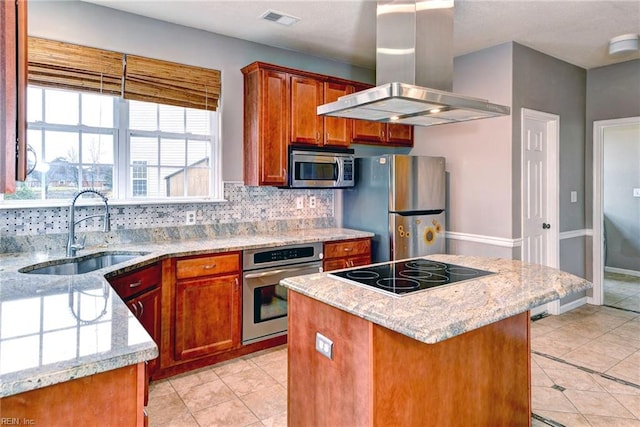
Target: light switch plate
{"points": [[636, 192], [324, 346], [299, 202], [574, 196]]}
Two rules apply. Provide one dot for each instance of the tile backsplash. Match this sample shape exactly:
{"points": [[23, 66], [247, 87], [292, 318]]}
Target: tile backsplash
{"points": [[246, 210]]}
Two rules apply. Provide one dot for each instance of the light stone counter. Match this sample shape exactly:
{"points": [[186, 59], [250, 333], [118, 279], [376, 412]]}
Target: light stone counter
{"points": [[57, 328], [437, 314]]}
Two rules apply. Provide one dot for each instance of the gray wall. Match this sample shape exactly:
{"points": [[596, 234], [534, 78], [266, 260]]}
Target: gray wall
{"points": [[97, 26], [621, 174], [544, 83], [613, 92]]}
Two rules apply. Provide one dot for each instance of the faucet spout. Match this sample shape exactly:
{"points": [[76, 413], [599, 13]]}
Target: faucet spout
{"points": [[72, 246]]}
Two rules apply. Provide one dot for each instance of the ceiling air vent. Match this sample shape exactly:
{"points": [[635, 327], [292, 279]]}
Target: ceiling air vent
{"points": [[279, 17]]}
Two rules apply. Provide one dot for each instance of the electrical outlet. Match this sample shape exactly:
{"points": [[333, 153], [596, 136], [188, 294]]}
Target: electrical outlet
{"points": [[636, 192], [324, 346], [312, 201], [574, 197], [299, 202], [190, 218]]}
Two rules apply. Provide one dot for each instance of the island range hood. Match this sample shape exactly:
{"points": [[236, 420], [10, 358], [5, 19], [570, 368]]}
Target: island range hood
{"points": [[414, 71]]}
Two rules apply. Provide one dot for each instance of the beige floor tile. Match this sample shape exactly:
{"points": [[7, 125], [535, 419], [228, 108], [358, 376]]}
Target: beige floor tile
{"points": [[551, 346], [539, 377], [208, 394], [266, 357], [628, 369], [232, 367], [538, 330], [249, 381], [614, 386], [573, 378], [599, 421], [565, 418], [279, 420], [574, 335], [268, 402], [160, 388], [165, 409], [184, 419], [278, 371], [183, 382], [607, 348], [630, 402], [597, 403], [597, 362], [549, 399], [629, 330], [227, 414]]}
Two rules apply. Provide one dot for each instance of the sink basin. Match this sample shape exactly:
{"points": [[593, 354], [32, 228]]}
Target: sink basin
{"points": [[81, 265]]}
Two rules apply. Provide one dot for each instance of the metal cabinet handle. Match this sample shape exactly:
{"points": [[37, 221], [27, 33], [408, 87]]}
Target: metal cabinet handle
{"points": [[135, 284], [209, 267], [134, 307], [141, 308], [347, 249], [318, 136], [237, 282]]}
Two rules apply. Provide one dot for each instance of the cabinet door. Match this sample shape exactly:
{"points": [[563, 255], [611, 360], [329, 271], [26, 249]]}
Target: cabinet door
{"points": [[368, 131], [306, 125], [207, 316], [273, 130], [13, 91], [337, 131], [147, 310], [400, 134]]}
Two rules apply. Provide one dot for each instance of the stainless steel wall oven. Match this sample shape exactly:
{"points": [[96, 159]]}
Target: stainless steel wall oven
{"points": [[264, 301]]}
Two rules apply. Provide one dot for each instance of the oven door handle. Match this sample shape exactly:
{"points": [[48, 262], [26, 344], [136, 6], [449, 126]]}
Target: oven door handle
{"points": [[275, 272]]}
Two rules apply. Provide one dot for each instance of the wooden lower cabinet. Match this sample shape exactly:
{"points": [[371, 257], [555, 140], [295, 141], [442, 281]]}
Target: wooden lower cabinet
{"points": [[141, 291], [207, 310], [346, 253], [111, 398], [207, 316], [378, 377]]}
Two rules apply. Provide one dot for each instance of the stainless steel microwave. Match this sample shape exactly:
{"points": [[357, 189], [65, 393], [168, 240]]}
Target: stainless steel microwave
{"points": [[311, 167]]}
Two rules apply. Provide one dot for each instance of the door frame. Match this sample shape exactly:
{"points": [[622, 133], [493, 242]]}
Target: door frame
{"points": [[597, 293], [553, 191]]}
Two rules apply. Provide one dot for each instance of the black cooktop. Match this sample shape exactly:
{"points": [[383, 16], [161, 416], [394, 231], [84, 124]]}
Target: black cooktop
{"points": [[404, 277]]}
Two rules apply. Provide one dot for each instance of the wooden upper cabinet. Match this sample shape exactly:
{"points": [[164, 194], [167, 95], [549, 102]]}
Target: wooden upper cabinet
{"points": [[306, 125], [337, 131], [13, 93], [266, 130], [400, 134]]}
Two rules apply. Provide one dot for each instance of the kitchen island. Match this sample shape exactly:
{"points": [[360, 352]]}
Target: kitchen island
{"points": [[452, 355]]}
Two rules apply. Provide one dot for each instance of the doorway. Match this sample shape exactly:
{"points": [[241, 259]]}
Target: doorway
{"points": [[539, 178], [613, 131]]}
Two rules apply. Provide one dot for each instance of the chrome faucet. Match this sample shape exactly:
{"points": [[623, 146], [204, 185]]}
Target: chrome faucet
{"points": [[72, 246]]}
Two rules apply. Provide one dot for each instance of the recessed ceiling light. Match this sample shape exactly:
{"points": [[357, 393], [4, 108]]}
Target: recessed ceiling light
{"points": [[279, 17]]}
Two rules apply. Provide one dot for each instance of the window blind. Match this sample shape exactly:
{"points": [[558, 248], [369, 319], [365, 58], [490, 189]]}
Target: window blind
{"points": [[73, 67], [86, 69], [163, 82]]}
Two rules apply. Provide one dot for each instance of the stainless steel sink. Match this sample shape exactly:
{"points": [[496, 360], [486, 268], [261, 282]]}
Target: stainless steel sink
{"points": [[81, 265]]}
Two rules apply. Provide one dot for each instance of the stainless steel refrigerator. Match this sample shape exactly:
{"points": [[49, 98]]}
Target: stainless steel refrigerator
{"points": [[401, 199]]}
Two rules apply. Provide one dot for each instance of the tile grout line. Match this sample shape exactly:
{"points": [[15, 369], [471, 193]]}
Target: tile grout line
{"points": [[620, 308], [588, 370], [546, 421]]}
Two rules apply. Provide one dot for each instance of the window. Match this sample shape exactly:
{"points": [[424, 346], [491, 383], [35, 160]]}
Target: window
{"points": [[125, 149]]}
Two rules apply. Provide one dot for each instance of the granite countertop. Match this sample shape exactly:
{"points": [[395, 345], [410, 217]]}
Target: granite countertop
{"points": [[57, 328], [440, 313]]}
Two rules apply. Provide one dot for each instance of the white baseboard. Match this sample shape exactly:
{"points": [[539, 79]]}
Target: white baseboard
{"points": [[573, 304], [622, 271], [487, 240]]}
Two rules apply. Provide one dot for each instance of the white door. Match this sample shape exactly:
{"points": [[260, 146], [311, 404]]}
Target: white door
{"points": [[540, 191]]}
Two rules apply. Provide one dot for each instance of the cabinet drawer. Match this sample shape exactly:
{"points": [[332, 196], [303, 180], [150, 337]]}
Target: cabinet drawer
{"points": [[340, 263], [137, 281], [208, 265], [347, 248]]}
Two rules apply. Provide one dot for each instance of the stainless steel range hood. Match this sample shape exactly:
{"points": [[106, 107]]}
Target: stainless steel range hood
{"points": [[414, 71]]}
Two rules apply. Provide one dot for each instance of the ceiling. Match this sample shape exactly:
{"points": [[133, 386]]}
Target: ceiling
{"points": [[577, 32]]}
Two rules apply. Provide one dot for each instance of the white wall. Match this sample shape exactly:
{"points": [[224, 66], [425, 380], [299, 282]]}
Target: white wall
{"points": [[478, 153], [97, 26]]}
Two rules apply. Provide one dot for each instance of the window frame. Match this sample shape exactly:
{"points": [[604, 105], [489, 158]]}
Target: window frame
{"points": [[122, 185]]}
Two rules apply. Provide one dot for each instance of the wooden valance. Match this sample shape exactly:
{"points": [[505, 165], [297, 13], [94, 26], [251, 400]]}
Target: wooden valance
{"points": [[169, 83], [86, 69], [73, 67]]}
